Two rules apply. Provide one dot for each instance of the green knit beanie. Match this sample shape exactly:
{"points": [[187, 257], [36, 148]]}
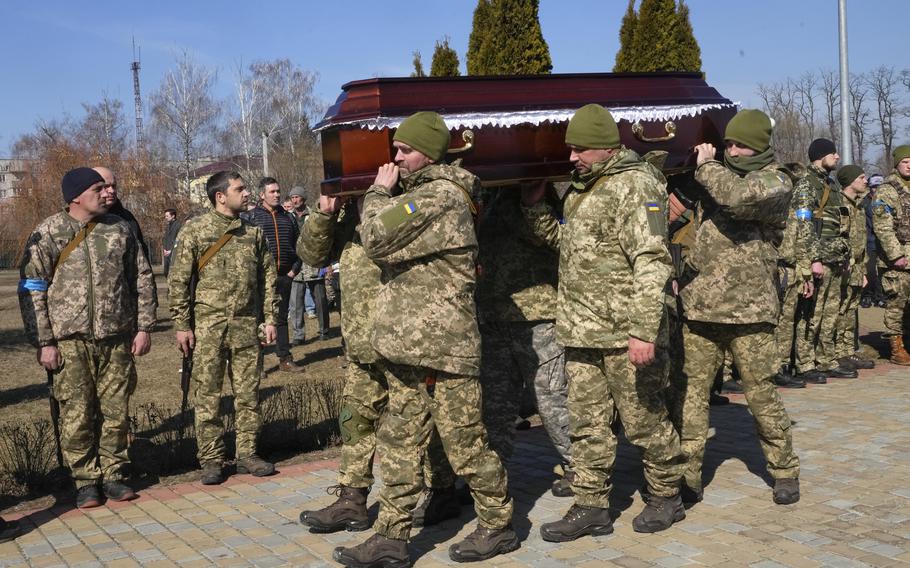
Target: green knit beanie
{"points": [[900, 153], [592, 126], [426, 132], [848, 174], [751, 128]]}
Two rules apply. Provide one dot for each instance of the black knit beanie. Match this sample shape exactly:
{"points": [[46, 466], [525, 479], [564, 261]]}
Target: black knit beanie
{"points": [[78, 180], [821, 147]]}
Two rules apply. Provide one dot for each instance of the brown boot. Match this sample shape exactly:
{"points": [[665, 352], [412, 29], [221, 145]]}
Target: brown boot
{"points": [[899, 355], [348, 512], [376, 551], [289, 366], [483, 544]]}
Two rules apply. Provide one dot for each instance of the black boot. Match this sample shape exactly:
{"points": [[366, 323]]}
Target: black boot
{"points": [[483, 544], [786, 491], [348, 512], [659, 514], [578, 522], [785, 380], [841, 372], [438, 505], [375, 552], [814, 377]]}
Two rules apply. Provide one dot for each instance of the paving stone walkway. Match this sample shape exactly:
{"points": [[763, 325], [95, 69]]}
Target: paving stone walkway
{"points": [[853, 438]]}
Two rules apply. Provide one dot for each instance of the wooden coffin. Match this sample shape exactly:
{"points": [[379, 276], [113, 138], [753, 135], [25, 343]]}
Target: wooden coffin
{"points": [[518, 122]]}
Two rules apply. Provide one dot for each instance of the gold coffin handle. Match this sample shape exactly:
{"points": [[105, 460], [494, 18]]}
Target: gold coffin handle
{"points": [[639, 131], [468, 137]]}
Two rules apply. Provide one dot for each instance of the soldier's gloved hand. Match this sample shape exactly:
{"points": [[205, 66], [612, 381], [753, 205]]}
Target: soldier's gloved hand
{"points": [[641, 353], [141, 343], [49, 357], [186, 342], [271, 333]]}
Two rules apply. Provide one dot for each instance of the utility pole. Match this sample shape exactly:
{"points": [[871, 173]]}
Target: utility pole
{"points": [[846, 145], [138, 99], [265, 153]]}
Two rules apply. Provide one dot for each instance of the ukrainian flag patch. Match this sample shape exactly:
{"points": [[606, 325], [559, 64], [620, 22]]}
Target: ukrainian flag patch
{"points": [[804, 214], [409, 207], [653, 207]]}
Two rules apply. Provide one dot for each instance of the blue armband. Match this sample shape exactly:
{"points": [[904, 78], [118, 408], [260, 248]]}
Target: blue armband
{"points": [[879, 203], [804, 214], [32, 285]]}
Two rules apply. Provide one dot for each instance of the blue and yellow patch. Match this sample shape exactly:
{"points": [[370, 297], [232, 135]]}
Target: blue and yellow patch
{"points": [[410, 208], [654, 207], [804, 214]]}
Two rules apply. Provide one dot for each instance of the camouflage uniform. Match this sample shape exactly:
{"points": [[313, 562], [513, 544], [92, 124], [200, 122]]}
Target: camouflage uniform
{"points": [[426, 327], [731, 304], [834, 253], [614, 239], [891, 223], [516, 302], [90, 307], [852, 282], [234, 288], [365, 395], [798, 250]]}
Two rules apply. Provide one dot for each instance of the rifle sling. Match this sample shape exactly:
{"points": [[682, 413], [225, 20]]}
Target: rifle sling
{"points": [[71, 246], [211, 251]]}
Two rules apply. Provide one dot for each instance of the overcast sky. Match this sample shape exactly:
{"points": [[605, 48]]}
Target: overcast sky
{"points": [[59, 54]]}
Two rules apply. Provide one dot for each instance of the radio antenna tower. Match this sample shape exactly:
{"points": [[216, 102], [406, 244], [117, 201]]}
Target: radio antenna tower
{"points": [[138, 97]]}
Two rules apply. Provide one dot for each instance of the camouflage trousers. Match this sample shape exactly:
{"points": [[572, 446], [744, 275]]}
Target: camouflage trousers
{"points": [[515, 354], [93, 388], [793, 340], [755, 356], [822, 328], [211, 359], [603, 383], [845, 332], [896, 284], [418, 397], [364, 399]]}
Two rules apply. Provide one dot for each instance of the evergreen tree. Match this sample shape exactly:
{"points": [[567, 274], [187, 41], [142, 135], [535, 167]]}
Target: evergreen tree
{"points": [[477, 58], [514, 43], [625, 57], [689, 51], [655, 36], [445, 60], [418, 66]]}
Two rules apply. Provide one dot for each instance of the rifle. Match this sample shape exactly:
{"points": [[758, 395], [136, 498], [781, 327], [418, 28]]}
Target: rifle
{"points": [[186, 365], [55, 417]]}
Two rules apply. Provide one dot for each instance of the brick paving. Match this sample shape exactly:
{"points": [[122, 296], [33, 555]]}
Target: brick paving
{"points": [[852, 437]]}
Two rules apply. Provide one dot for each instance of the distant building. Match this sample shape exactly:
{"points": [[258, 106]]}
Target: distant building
{"points": [[200, 175], [11, 171]]}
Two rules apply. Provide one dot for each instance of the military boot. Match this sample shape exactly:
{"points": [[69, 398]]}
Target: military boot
{"points": [[786, 491], [562, 487], [438, 505], [288, 365], [348, 512], [255, 466], [899, 355], [858, 362], [212, 473], [659, 513], [375, 552], [483, 544], [578, 522]]}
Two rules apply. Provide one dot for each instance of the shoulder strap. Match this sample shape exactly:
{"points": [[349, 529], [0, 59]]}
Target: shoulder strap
{"points": [[825, 195], [71, 246], [211, 251]]}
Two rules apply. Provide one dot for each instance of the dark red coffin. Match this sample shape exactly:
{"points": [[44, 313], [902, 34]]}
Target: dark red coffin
{"points": [[518, 122]]}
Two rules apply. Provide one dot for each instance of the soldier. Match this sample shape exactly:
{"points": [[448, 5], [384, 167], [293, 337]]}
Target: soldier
{"points": [[853, 181], [425, 326], [329, 233], [88, 302], [516, 302], [730, 299], [891, 221], [171, 228], [614, 239], [115, 207], [229, 261], [815, 343]]}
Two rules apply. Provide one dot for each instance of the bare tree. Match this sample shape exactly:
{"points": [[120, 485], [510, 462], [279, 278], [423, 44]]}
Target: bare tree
{"points": [[883, 85], [804, 90], [830, 91], [859, 115], [184, 108], [788, 107], [103, 130]]}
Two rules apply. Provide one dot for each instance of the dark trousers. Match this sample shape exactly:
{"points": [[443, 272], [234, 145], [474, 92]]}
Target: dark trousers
{"points": [[167, 264], [283, 288], [874, 289], [317, 290]]}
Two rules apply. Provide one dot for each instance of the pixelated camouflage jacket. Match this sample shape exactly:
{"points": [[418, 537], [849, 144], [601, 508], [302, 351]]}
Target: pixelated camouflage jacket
{"points": [[613, 257], [518, 271], [730, 273], [799, 247], [833, 222], [857, 239], [105, 287], [325, 238], [424, 242], [236, 289], [889, 216]]}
